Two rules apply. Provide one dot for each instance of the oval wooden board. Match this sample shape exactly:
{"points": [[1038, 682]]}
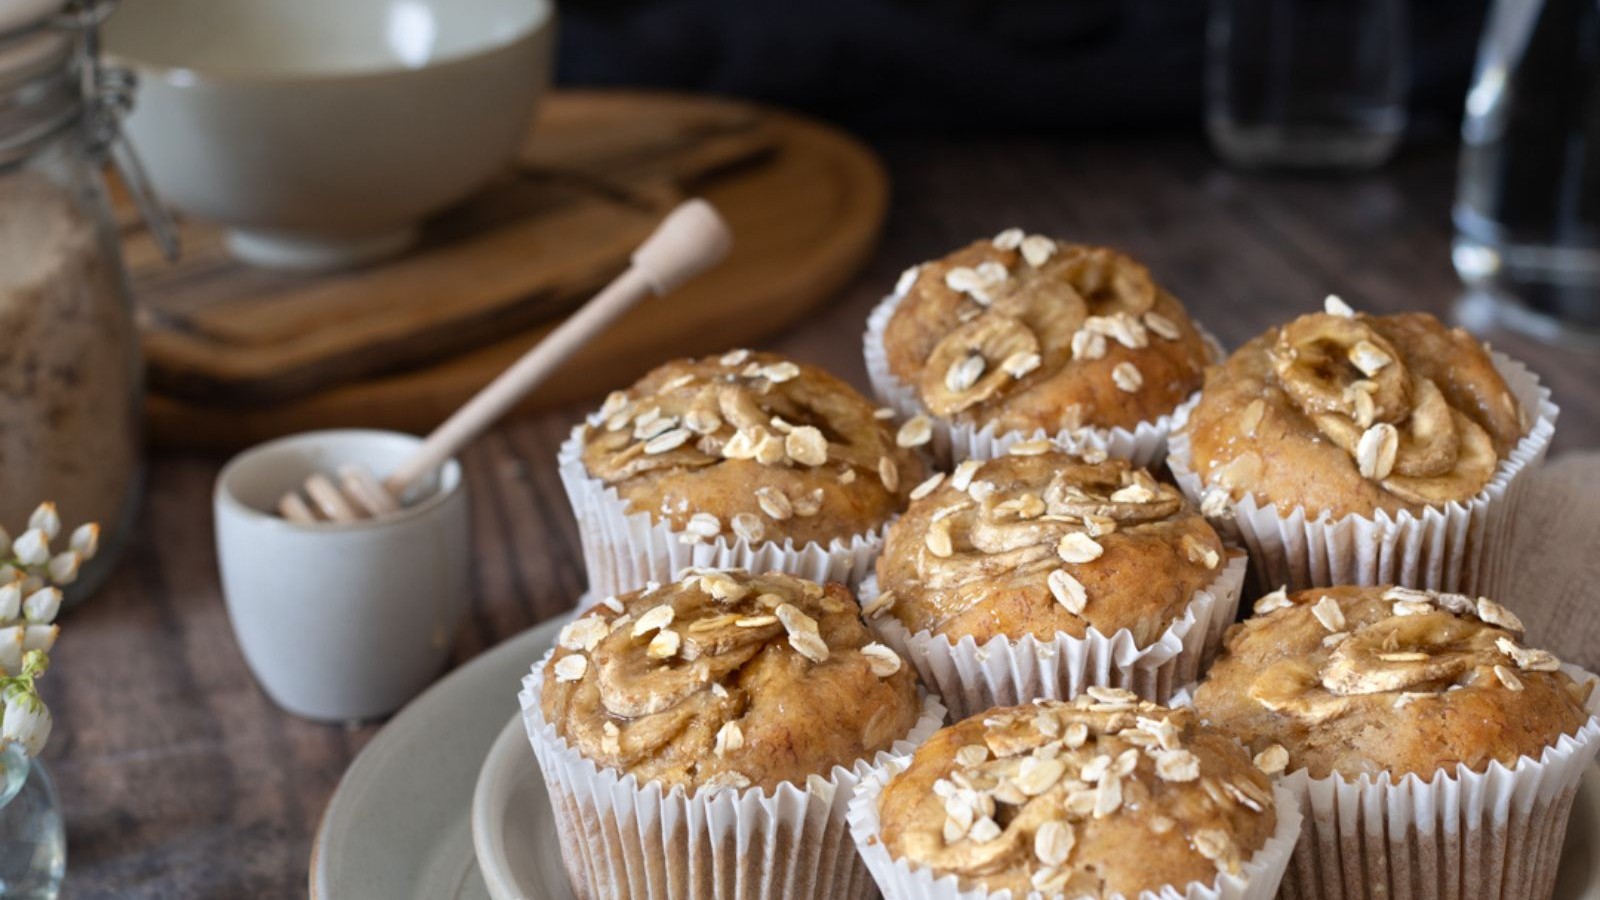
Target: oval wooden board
{"points": [[805, 217]]}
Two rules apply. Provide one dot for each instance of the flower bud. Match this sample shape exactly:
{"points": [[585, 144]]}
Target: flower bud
{"points": [[34, 637], [63, 567], [11, 644], [41, 606], [85, 541], [27, 720], [46, 519], [10, 601], [32, 548]]}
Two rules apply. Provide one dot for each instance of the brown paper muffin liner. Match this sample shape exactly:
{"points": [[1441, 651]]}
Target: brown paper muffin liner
{"points": [[1458, 547], [622, 840], [899, 879], [1004, 672], [1461, 835], [625, 551], [1144, 445]]}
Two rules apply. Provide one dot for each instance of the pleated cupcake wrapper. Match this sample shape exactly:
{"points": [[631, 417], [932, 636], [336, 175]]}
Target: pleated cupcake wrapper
{"points": [[1463, 835], [624, 551], [900, 879], [621, 840], [1461, 546], [1145, 445], [1005, 672]]}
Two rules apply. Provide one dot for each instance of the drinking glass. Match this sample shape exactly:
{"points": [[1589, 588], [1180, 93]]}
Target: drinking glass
{"points": [[1527, 213], [1306, 83]]}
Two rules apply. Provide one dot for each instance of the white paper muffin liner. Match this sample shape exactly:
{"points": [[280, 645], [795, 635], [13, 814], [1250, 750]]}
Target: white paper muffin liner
{"points": [[1461, 546], [1145, 445], [899, 879], [1462, 835], [1004, 672], [621, 840], [623, 551]]}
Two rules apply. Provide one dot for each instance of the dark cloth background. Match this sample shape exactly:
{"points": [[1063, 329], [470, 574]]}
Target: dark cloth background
{"points": [[960, 65]]}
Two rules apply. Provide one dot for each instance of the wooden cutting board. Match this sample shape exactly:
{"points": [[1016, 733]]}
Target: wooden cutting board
{"points": [[237, 355]]}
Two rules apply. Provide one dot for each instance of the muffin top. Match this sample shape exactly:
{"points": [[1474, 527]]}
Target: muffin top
{"points": [[1026, 333], [1362, 680], [1352, 413], [753, 446], [1103, 795], [1039, 542], [727, 679]]}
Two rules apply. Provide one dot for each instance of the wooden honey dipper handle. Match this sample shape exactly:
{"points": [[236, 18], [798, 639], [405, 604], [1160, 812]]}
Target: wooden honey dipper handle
{"points": [[691, 239]]}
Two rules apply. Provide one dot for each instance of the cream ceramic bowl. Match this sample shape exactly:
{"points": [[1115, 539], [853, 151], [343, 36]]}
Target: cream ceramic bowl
{"points": [[321, 133]]}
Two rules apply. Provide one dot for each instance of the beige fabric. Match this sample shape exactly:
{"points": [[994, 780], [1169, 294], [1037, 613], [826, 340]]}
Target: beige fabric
{"points": [[1555, 571]]}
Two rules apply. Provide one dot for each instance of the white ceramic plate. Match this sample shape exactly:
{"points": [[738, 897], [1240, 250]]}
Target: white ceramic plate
{"points": [[397, 827], [402, 822]]}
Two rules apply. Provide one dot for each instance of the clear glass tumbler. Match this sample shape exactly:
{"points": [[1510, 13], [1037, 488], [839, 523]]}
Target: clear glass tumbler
{"points": [[1306, 83], [1527, 212]]}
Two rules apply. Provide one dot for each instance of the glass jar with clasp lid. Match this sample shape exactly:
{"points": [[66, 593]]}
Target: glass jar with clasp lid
{"points": [[71, 387]]}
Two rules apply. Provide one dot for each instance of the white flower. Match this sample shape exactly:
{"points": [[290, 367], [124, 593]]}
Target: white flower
{"points": [[32, 548], [27, 721], [10, 601], [41, 606], [85, 541], [46, 519], [11, 642], [64, 567]]}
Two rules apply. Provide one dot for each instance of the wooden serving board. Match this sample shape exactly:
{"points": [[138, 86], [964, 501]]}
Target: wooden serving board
{"points": [[237, 355]]}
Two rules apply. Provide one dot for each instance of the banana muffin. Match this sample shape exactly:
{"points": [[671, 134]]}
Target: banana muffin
{"points": [[1427, 744], [1365, 680], [1102, 796], [1355, 413], [704, 682], [1043, 544], [739, 707], [1024, 335], [745, 459], [1358, 449]]}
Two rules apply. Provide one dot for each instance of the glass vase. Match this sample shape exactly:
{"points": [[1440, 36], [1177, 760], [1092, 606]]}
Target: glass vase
{"points": [[33, 840]]}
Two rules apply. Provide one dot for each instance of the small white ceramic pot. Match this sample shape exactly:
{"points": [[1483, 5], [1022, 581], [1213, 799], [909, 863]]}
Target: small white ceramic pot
{"points": [[341, 621]]}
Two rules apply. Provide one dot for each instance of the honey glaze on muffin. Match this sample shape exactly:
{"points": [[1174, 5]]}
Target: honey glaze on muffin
{"points": [[751, 446], [1362, 680], [1099, 796], [727, 679], [1028, 333], [1040, 542], [1350, 412]]}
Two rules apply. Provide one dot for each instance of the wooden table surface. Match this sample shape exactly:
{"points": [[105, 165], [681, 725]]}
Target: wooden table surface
{"points": [[181, 779]]}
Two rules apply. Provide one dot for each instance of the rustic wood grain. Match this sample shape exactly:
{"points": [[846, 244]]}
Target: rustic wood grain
{"points": [[182, 781]]}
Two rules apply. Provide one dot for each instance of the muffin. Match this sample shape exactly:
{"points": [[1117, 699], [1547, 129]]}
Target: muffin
{"points": [[701, 739], [1098, 797], [1422, 736], [744, 460], [1040, 573], [1021, 337], [1351, 448]]}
